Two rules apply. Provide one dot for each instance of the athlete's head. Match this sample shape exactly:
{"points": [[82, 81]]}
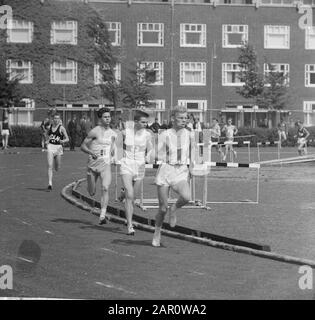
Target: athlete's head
{"points": [[104, 115], [56, 119], [229, 121], [179, 116], [299, 124], [141, 119]]}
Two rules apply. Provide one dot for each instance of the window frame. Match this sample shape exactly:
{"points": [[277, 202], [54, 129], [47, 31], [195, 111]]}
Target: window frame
{"points": [[53, 70], [203, 71], [202, 32], [54, 26], [97, 75], [159, 70], [29, 67], [117, 31], [140, 34], [224, 77], [309, 31], [277, 66], [225, 34], [23, 26], [307, 75], [268, 33], [308, 111]]}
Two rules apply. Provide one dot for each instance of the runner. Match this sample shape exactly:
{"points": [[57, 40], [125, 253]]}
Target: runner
{"points": [[56, 136], [215, 136], [100, 146], [5, 131], [230, 131], [174, 148], [302, 135], [136, 143], [282, 132]]}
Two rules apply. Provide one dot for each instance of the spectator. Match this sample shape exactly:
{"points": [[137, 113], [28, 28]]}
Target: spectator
{"points": [[282, 132], [5, 131], [120, 125], [191, 122], [197, 125], [72, 130], [155, 126], [164, 125], [43, 132]]}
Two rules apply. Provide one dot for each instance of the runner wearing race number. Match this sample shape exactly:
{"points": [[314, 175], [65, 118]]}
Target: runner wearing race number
{"points": [[137, 147], [100, 146], [56, 136]]}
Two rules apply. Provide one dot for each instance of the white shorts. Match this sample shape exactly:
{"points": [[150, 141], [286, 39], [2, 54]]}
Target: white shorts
{"points": [[55, 149], [5, 132], [169, 175], [301, 142], [98, 165], [133, 168]]}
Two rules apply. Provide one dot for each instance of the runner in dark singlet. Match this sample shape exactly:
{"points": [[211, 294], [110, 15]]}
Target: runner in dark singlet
{"points": [[302, 135], [57, 135]]}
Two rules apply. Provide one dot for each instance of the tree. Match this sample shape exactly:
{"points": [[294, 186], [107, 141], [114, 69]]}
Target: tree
{"points": [[269, 91], [275, 94], [253, 80]]}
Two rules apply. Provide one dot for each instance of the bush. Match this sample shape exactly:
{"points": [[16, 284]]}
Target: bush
{"points": [[271, 135], [25, 136]]}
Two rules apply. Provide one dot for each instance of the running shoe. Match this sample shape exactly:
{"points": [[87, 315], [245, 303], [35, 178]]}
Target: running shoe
{"points": [[156, 241], [102, 219], [131, 231], [49, 188], [172, 218]]}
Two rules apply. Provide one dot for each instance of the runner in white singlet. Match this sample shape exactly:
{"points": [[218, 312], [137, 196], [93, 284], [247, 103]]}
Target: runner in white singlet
{"points": [[100, 146], [137, 147], [230, 131]]}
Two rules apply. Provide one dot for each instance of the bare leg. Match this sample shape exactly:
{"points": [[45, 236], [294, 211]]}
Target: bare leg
{"points": [[163, 204], [106, 178], [50, 160], [183, 190], [129, 198]]}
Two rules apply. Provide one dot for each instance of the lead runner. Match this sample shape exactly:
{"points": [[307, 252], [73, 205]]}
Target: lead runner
{"points": [[175, 149], [100, 146]]}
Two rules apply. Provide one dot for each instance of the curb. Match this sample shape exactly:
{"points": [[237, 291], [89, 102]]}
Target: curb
{"points": [[71, 195]]}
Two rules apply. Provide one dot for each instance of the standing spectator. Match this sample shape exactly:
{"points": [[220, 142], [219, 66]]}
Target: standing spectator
{"points": [[5, 130], [120, 125], [72, 130], [43, 132], [191, 122], [197, 125], [282, 132], [155, 126]]}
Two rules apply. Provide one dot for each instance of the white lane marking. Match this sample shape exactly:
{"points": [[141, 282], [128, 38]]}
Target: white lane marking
{"points": [[121, 254], [47, 231], [27, 260], [111, 286]]}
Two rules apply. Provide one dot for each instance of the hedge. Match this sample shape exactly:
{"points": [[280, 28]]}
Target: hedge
{"points": [[25, 136]]}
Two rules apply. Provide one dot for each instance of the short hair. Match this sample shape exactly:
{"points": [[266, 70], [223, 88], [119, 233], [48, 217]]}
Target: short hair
{"points": [[178, 109], [140, 114], [56, 114], [216, 119], [101, 111], [298, 122]]}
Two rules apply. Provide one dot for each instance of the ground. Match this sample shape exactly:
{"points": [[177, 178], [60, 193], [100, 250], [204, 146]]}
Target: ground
{"points": [[74, 257]]}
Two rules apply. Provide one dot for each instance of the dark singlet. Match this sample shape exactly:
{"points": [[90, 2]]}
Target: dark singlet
{"points": [[5, 125], [55, 136], [301, 133]]}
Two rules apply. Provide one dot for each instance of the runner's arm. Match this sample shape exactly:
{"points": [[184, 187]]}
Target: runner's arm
{"points": [[307, 133], [84, 146], [149, 147], [65, 134]]}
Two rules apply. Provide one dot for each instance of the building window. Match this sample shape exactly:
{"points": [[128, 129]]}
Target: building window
{"points": [[231, 74], [155, 109], [20, 31], [310, 38], [151, 34], [283, 68], [114, 30], [277, 2], [153, 72], [309, 2], [19, 69], [192, 35], [98, 75], [64, 32], [192, 73], [234, 35], [64, 72], [277, 37], [196, 107], [309, 113], [310, 75]]}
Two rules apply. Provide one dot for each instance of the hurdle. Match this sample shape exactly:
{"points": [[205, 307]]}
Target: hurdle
{"points": [[266, 143], [248, 149], [298, 159]]}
